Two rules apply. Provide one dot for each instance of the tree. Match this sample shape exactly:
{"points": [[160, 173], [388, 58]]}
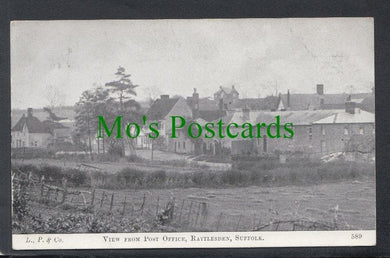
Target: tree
{"points": [[123, 91], [54, 96], [92, 103], [123, 87]]}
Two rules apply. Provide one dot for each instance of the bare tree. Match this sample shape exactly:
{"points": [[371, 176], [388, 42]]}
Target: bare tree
{"points": [[54, 96]]}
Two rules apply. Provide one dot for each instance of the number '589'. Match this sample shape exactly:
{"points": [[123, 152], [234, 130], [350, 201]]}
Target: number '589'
{"points": [[356, 236]]}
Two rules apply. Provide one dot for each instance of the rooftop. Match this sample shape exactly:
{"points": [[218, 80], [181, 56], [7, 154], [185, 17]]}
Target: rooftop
{"points": [[161, 108]]}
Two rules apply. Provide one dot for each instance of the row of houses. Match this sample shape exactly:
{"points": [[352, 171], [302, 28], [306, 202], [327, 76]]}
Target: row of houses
{"points": [[323, 123]]}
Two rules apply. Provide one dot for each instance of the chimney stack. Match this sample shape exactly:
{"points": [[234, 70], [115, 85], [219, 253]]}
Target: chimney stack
{"points": [[29, 112], [195, 99], [350, 107], [164, 96], [320, 89], [288, 98]]}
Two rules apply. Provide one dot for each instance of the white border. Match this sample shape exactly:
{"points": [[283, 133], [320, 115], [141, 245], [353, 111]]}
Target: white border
{"points": [[209, 240]]}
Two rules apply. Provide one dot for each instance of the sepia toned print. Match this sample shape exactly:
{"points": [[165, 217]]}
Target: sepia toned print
{"points": [[193, 133]]}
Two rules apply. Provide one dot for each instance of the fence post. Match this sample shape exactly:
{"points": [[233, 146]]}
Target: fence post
{"points": [[42, 186], [197, 214], [173, 207], [93, 197], [65, 192], [112, 201], [204, 213], [181, 210], [48, 193], [124, 206], [102, 200], [158, 200], [56, 194], [143, 203]]}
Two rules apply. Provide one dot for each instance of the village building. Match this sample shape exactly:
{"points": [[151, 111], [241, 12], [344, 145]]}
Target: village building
{"points": [[161, 112], [226, 96], [321, 100], [316, 132], [30, 132]]}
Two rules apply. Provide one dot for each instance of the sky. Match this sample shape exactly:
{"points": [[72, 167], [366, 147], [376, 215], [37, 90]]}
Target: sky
{"points": [[259, 56]]}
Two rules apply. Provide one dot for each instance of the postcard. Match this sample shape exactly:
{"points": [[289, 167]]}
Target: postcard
{"points": [[192, 133]]}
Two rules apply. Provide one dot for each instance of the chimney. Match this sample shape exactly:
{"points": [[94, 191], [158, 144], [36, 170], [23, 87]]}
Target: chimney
{"points": [[350, 107], [164, 96], [245, 112], [29, 112], [195, 99], [320, 89], [288, 98]]}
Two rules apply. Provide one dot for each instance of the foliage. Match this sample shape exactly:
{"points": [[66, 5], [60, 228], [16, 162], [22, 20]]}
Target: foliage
{"points": [[31, 153], [92, 103], [20, 199], [123, 87], [54, 174]]}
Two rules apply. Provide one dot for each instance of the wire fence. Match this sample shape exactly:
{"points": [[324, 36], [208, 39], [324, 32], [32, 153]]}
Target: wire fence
{"points": [[184, 214]]}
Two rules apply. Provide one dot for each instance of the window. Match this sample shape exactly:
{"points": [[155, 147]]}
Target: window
{"points": [[346, 131], [322, 130], [178, 145], [184, 145], [361, 130], [310, 133]]}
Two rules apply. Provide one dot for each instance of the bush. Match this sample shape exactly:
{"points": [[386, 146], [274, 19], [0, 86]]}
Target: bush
{"points": [[261, 173], [31, 153], [54, 174]]}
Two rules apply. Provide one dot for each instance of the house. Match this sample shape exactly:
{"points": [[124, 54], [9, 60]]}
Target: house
{"points": [[185, 144], [204, 108], [338, 131], [226, 100], [226, 96], [320, 100], [29, 131], [161, 111], [316, 132]]}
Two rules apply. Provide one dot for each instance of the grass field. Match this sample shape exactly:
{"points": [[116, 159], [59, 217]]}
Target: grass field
{"points": [[351, 203]]}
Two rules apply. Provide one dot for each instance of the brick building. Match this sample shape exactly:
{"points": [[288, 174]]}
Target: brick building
{"points": [[316, 132]]}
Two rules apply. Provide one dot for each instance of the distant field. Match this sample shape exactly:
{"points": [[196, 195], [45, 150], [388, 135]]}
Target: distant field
{"points": [[351, 203]]}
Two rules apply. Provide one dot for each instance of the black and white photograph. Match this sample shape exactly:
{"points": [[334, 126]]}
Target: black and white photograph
{"points": [[192, 133]]}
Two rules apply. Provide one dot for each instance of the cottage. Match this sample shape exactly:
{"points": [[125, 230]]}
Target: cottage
{"points": [[161, 111], [29, 131]]}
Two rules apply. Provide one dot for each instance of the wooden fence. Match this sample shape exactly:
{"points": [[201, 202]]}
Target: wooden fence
{"points": [[185, 214]]}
